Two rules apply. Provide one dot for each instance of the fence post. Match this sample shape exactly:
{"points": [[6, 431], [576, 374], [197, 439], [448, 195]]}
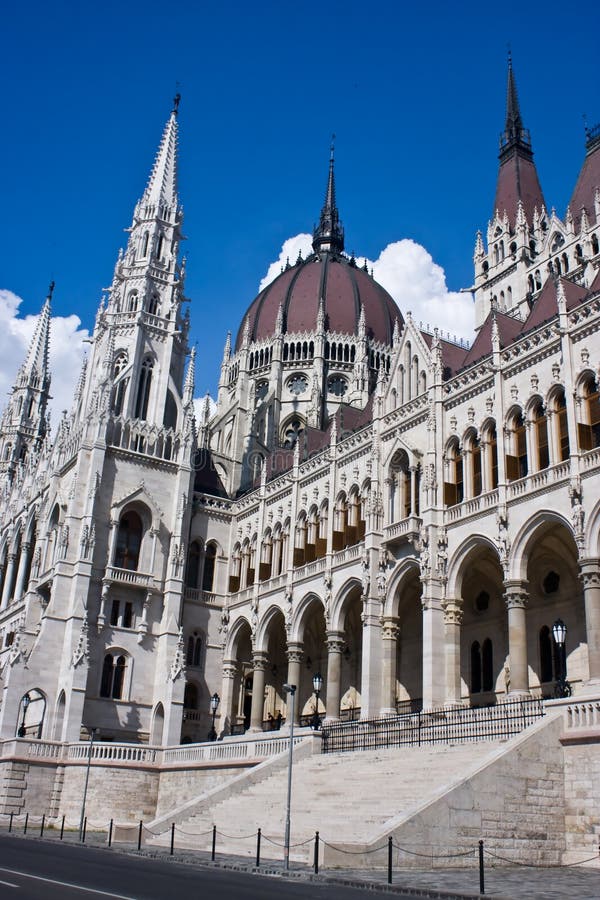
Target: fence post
{"points": [[140, 835], [481, 870], [26, 821], [62, 828], [214, 843], [316, 859], [390, 848], [10, 823], [110, 831], [84, 830], [42, 824], [258, 833], [172, 837]]}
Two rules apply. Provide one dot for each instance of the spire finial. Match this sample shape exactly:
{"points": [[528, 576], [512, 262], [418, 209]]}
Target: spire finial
{"points": [[329, 233], [176, 101], [51, 290]]}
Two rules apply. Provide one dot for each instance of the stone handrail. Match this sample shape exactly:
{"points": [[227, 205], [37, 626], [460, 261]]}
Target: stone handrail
{"points": [[582, 716], [472, 506], [129, 576], [229, 749], [399, 529], [109, 752]]}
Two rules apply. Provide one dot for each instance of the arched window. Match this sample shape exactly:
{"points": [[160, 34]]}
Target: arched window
{"points": [[453, 486], [194, 650], [193, 565], [208, 575], [487, 666], [132, 301], [159, 248], [190, 696], [153, 305], [540, 421], [129, 540], [143, 394], [145, 244], [399, 487], [588, 429], [561, 427], [516, 458], [475, 668], [292, 432], [113, 676]]}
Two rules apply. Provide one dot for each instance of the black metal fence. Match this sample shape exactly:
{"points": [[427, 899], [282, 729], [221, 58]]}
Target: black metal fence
{"points": [[434, 726]]}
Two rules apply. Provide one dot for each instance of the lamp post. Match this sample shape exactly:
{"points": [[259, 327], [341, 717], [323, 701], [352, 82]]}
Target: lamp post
{"points": [[92, 732], [214, 705], [22, 730], [559, 633], [291, 690], [317, 687]]}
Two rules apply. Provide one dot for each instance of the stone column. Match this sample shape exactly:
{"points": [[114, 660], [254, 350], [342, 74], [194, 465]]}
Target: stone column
{"points": [[468, 485], [335, 645], [230, 670], [260, 661], [516, 604], [8, 580], [590, 577], [453, 616], [390, 632], [295, 655], [413, 490], [370, 688], [22, 572], [433, 645]]}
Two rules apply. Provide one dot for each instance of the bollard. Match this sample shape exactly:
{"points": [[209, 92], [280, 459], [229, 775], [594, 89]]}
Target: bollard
{"points": [[26, 821], [214, 843], [84, 830], [10, 823], [110, 831], [62, 828], [172, 837], [42, 825], [258, 848], [140, 835], [390, 848], [316, 857], [481, 871]]}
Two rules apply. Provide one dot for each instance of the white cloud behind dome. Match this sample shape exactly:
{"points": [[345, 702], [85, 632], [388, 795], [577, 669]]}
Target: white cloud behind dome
{"points": [[67, 350], [407, 271]]}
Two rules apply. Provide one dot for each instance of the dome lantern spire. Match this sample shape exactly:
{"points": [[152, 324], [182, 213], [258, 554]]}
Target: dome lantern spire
{"points": [[329, 233]]}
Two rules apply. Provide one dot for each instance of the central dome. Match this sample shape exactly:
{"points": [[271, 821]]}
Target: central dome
{"points": [[343, 288]]}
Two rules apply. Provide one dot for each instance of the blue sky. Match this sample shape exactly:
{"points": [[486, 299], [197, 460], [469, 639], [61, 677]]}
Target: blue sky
{"points": [[414, 93]]}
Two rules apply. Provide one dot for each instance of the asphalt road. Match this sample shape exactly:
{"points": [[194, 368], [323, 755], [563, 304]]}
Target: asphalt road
{"points": [[36, 870]]}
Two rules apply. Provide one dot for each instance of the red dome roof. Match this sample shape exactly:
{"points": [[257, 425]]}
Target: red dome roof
{"points": [[344, 287]]}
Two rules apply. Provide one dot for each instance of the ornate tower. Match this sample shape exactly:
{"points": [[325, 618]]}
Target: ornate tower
{"points": [[24, 422]]}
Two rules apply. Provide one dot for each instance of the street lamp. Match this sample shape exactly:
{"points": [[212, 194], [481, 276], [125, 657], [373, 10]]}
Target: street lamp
{"points": [[291, 690], [315, 723], [22, 730], [214, 705], [559, 633], [92, 732]]}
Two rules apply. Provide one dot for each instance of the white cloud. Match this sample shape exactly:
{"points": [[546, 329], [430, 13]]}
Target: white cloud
{"points": [[199, 408], [289, 250], [66, 351], [407, 271]]}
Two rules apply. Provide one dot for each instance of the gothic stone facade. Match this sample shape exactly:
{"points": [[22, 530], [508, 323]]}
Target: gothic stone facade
{"points": [[403, 514]]}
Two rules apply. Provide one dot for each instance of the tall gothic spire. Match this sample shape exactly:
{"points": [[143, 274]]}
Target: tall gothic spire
{"points": [[36, 362], [329, 233], [162, 184], [517, 179]]}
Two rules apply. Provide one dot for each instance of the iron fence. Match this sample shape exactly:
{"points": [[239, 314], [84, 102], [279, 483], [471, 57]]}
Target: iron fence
{"points": [[434, 726]]}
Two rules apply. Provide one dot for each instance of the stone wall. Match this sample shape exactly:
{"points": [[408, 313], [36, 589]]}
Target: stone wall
{"points": [[178, 786], [27, 787], [125, 794]]}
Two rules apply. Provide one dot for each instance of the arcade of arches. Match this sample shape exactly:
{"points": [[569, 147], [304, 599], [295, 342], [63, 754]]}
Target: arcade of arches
{"points": [[491, 638]]}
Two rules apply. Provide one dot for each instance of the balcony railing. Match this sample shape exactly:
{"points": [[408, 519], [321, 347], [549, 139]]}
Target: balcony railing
{"points": [[129, 577], [436, 726]]}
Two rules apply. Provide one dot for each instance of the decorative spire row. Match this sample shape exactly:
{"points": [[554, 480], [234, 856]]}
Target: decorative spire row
{"points": [[329, 234]]}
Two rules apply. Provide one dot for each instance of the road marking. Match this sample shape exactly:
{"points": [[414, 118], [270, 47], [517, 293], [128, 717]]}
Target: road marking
{"points": [[9, 884], [75, 887]]}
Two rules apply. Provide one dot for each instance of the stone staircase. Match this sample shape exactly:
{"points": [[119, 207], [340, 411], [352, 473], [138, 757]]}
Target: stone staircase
{"points": [[346, 797]]}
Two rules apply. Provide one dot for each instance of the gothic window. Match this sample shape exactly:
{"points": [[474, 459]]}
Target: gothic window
{"points": [[132, 301], [190, 696], [129, 539], [453, 486], [193, 565], [293, 430], [208, 575], [145, 244], [170, 414], [153, 305], [595, 246], [516, 458], [194, 650], [261, 391], [297, 384], [588, 429], [143, 394], [159, 248], [121, 614], [113, 676], [337, 385], [540, 422], [399, 487], [561, 426]]}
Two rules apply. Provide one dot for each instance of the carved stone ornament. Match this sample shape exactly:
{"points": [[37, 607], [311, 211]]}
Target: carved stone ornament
{"points": [[178, 664], [82, 650]]}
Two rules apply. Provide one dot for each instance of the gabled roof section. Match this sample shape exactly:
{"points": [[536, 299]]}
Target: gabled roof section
{"points": [[588, 181], [508, 329], [546, 306]]}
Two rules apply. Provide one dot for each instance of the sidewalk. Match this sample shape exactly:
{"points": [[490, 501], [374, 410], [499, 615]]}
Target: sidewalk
{"points": [[501, 883]]}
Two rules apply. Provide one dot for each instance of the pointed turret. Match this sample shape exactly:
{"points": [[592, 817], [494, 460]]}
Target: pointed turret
{"points": [[25, 422], [517, 179], [190, 381], [588, 183], [329, 233], [162, 184]]}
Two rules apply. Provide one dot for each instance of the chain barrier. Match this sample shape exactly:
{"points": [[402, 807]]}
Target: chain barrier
{"points": [[515, 862], [353, 852], [278, 844], [434, 855], [191, 833], [237, 837]]}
